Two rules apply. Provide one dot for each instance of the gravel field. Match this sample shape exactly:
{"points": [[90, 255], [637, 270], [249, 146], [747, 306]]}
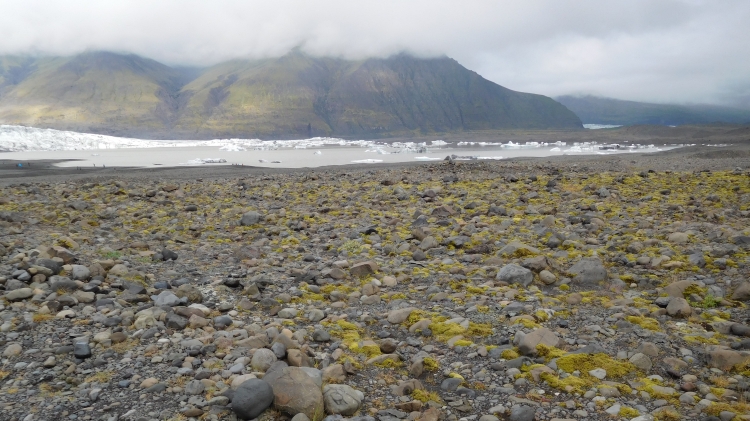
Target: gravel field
{"points": [[567, 288]]}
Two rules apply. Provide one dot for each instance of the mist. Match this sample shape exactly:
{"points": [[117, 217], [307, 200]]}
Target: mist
{"points": [[670, 51]]}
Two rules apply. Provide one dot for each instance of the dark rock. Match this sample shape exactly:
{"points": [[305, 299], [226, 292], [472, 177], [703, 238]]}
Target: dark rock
{"points": [[176, 322], [81, 350], [522, 413], [252, 398], [168, 254]]}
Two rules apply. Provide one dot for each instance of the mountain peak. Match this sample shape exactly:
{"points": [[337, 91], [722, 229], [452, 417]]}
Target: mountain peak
{"points": [[296, 95]]}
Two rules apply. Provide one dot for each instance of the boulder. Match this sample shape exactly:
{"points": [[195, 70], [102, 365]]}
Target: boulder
{"points": [[399, 315], [250, 218], [342, 399], [515, 274], [589, 271], [725, 359], [251, 398], [295, 392], [263, 359], [363, 269], [19, 294], [742, 292], [679, 307], [543, 336]]}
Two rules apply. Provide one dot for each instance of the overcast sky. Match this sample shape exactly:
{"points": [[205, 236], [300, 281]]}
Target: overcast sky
{"points": [[650, 50]]}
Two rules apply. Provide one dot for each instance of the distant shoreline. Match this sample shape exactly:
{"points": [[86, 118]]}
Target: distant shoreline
{"points": [[695, 158]]}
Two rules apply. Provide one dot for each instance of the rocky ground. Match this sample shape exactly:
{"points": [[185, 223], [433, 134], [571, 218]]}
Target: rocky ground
{"points": [[569, 289]]}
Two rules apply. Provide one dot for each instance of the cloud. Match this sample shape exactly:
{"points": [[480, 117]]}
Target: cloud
{"points": [[663, 51]]}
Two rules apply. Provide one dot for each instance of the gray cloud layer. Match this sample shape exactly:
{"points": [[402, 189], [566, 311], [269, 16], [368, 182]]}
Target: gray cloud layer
{"points": [[651, 50]]}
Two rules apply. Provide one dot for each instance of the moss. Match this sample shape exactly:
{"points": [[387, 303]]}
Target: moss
{"points": [[475, 290], [425, 396], [343, 324], [717, 408], [564, 287], [700, 339], [549, 352], [644, 322], [445, 331], [510, 354], [430, 364], [667, 415], [628, 412], [456, 376], [647, 385], [541, 316], [570, 384], [479, 329], [369, 350], [529, 324], [389, 363], [694, 289], [463, 342], [41, 317], [587, 362]]}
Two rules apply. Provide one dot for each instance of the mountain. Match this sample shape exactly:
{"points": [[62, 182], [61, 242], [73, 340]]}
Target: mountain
{"points": [[291, 96], [592, 109]]}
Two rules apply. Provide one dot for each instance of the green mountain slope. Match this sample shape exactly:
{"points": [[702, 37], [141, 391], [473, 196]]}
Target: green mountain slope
{"points": [[599, 110], [97, 92], [292, 96]]}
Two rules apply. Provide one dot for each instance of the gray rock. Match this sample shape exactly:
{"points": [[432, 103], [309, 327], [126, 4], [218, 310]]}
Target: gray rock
{"points": [[697, 259], [81, 350], [399, 315], [742, 292], [296, 392], [19, 294], [450, 384], [429, 242], [321, 335], [642, 361], [522, 413], [288, 313], [14, 284], [12, 350], [167, 299], [61, 283], [679, 307], [589, 271], [252, 398], [175, 321], [250, 218], [547, 277], [50, 264], [515, 274], [740, 329], [263, 358], [80, 273], [342, 399], [194, 387], [544, 336]]}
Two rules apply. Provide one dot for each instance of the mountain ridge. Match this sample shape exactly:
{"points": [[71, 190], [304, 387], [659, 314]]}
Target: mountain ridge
{"points": [[290, 96], [602, 110]]}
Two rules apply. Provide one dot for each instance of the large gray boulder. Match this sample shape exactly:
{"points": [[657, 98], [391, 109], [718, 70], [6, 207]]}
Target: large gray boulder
{"points": [[589, 271], [80, 273], [295, 392], [251, 398], [250, 218], [166, 299], [342, 399], [515, 274], [543, 336]]}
